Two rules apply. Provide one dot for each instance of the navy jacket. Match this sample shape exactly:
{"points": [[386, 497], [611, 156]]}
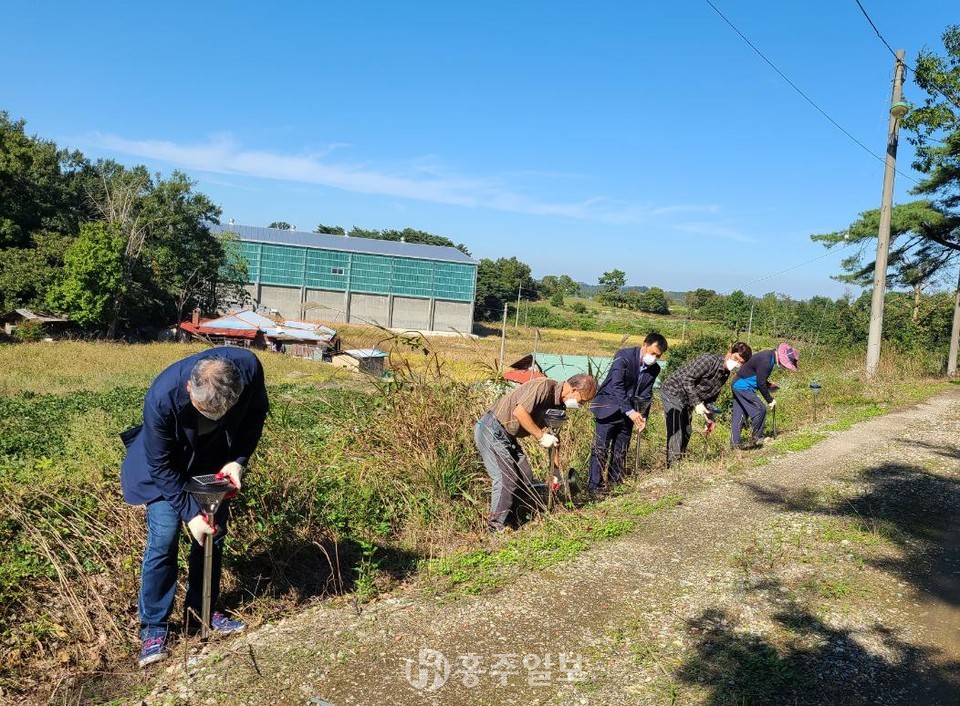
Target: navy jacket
{"points": [[160, 452], [626, 387], [754, 375]]}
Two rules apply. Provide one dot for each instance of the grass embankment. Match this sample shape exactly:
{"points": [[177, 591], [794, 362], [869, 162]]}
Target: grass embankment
{"points": [[354, 486]]}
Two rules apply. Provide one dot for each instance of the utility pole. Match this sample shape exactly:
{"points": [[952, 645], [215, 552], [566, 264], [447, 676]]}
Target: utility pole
{"points": [[897, 111], [519, 289], [954, 335], [503, 336]]}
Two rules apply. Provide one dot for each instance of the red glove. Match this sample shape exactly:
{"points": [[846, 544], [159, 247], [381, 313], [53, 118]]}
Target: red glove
{"points": [[220, 476]]}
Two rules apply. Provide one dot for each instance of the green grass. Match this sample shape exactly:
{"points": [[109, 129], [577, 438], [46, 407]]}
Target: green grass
{"points": [[802, 440], [552, 542], [388, 476]]}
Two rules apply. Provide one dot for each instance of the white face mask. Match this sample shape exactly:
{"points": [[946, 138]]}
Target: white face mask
{"points": [[732, 364], [212, 416], [649, 359], [571, 403]]}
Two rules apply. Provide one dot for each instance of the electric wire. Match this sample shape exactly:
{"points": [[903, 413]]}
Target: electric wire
{"points": [[802, 94], [940, 89], [830, 251]]}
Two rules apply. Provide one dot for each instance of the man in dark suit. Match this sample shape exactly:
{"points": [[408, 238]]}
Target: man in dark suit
{"points": [[201, 415], [621, 405]]}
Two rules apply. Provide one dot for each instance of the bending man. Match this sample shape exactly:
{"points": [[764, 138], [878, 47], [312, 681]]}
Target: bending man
{"points": [[520, 414], [690, 388], [202, 415]]}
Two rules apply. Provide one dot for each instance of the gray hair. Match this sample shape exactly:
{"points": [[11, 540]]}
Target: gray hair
{"points": [[584, 384], [215, 384]]}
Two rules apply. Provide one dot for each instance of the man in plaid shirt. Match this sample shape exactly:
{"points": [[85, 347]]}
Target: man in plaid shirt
{"points": [[690, 388]]}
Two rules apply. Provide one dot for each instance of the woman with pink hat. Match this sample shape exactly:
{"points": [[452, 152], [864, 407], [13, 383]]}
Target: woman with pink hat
{"points": [[753, 378]]}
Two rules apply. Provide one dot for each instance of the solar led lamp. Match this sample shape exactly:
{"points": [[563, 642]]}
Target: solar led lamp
{"points": [[555, 418], [815, 388], [209, 491]]}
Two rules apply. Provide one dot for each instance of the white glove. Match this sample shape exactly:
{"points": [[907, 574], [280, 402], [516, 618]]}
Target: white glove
{"points": [[233, 471], [548, 441], [638, 421], [773, 403], [702, 410], [199, 528]]}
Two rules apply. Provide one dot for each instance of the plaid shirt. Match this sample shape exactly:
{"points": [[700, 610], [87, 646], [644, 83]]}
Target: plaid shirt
{"points": [[698, 380]]}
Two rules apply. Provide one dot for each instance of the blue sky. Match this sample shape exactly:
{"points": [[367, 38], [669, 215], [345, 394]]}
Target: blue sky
{"points": [[578, 137]]}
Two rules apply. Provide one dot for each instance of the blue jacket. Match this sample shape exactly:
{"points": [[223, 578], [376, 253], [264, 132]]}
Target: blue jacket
{"points": [[160, 452], [626, 386], [754, 375]]}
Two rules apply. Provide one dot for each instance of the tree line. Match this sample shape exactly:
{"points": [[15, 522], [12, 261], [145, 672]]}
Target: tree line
{"points": [[114, 248]]}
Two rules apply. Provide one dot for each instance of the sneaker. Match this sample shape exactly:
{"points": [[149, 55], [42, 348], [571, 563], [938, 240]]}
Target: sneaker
{"points": [[154, 647], [223, 625]]}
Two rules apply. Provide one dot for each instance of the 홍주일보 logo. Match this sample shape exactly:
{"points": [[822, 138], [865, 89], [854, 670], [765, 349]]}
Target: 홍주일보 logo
{"points": [[429, 672]]}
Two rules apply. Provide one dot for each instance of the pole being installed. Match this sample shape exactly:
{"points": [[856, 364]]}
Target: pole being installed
{"points": [[883, 235], [954, 335]]}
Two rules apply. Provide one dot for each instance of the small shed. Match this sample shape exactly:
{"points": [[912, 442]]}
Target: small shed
{"points": [[367, 360], [51, 325]]}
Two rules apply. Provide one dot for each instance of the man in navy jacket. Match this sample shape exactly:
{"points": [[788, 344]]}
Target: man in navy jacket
{"points": [[201, 415], [622, 404]]}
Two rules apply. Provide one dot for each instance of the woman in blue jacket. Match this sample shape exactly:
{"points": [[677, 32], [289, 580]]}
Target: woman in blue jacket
{"points": [[754, 378]]}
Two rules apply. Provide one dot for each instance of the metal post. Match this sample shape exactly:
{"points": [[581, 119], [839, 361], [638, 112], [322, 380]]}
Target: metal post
{"points": [[883, 236], [517, 323], [207, 582], [750, 325], [503, 336], [954, 334]]}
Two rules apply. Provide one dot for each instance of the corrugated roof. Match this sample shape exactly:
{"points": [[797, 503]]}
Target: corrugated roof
{"points": [[303, 239], [562, 367], [359, 353]]}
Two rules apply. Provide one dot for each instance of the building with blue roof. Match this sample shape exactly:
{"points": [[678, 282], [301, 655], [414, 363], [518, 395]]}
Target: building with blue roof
{"points": [[322, 277]]}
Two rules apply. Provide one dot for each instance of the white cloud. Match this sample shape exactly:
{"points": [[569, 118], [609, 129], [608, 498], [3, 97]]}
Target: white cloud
{"points": [[425, 179]]}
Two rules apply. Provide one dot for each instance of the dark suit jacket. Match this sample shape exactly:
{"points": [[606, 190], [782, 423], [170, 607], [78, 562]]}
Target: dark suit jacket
{"points": [[625, 388], [161, 451]]}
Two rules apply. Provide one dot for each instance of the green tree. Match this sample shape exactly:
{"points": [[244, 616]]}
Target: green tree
{"points": [[568, 286], [26, 273], [41, 186], [407, 235], [330, 230], [92, 275], [281, 225], [935, 128], [698, 298], [654, 301], [498, 283], [736, 311], [612, 281], [914, 261]]}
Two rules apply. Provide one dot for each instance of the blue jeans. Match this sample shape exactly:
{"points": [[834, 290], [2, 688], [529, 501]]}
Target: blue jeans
{"points": [[158, 580], [747, 405], [509, 471]]}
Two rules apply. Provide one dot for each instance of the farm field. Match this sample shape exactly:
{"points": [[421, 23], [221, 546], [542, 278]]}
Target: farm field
{"points": [[360, 488]]}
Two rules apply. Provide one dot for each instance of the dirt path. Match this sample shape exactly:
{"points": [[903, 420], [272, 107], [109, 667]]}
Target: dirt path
{"points": [[826, 576]]}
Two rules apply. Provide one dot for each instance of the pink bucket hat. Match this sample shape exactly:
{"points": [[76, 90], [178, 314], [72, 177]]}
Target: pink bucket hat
{"points": [[787, 356]]}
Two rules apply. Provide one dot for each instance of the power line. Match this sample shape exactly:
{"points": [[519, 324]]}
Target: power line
{"points": [[804, 95], [940, 89], [829, 252]]}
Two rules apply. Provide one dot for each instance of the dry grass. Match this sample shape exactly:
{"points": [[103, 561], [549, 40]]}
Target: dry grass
{"points": [[64, 367]]}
